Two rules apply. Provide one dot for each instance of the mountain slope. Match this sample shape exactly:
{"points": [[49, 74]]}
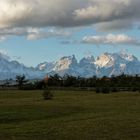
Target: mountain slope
{"points": [[9, 69], [67, 65], [106, 64], [116, 64]]}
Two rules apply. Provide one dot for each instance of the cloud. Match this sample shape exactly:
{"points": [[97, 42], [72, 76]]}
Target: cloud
{"points": [[34, 34], [111, 40], [38, 13], [114, 14], [110, 14], [2, 38], [7, 32]]}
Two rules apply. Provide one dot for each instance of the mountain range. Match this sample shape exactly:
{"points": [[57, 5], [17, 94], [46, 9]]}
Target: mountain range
{"points": [[107, 64]]}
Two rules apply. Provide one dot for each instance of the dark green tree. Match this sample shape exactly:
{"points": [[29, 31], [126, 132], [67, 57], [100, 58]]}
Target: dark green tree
{"points": [[21, 80]]}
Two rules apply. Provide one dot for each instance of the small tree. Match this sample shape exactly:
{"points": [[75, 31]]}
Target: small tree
{"points": [[21, 80], [47, 94]]}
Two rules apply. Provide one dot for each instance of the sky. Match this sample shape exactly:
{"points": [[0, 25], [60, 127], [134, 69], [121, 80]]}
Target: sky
{"points": [[45, 30]]}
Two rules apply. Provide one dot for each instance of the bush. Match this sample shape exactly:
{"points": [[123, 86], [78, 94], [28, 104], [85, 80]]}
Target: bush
{"points": [[28, 87], [98, 90], [47, 94], [105, 90], [114, 89], [134, 89]]}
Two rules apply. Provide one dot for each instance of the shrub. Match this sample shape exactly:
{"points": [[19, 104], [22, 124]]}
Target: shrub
{"points": [[114, 89], [98, 90], [106, 90], [29, 86], [134, 89], [47, 94]]}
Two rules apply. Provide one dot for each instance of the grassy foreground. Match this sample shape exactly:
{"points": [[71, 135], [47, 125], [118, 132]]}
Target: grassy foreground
{"points": [[79, 115]]}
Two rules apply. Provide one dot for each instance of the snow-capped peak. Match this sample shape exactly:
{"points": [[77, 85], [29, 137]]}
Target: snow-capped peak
{"points": [[46, 66], [65, 63], [42, 66], [87, 60], [105, 60], [105, 65], [127, 56], [4, 56]]}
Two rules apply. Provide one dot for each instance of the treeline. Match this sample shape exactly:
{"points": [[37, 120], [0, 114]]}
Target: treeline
{"points": [[114, 83], [105, 84]]}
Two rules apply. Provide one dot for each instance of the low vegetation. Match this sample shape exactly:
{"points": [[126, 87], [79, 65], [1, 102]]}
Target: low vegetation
{"points": [[76, 111], [100, 85], [47, 94], [71, 115]]}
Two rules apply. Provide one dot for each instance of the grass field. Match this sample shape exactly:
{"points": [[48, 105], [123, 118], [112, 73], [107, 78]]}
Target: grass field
{"points": [[79, 115]]}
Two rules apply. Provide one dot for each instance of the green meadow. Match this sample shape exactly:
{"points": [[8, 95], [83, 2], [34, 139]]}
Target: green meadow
{"points": [[70, 115]]}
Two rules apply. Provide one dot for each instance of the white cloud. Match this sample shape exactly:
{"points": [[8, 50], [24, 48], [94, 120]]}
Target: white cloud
{"points": [[2, 38], [13, 31], [38, 13], [69, 13], [32, 18], [34, 34], [7, 32], [111, 39]]}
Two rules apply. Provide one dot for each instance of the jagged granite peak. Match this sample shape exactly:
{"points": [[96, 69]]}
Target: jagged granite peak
{"points": [[67, 62], [87, 60], [46, 66], [107, 64], [87, 67], [118, 63], [127, 56], [105, 60]]}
